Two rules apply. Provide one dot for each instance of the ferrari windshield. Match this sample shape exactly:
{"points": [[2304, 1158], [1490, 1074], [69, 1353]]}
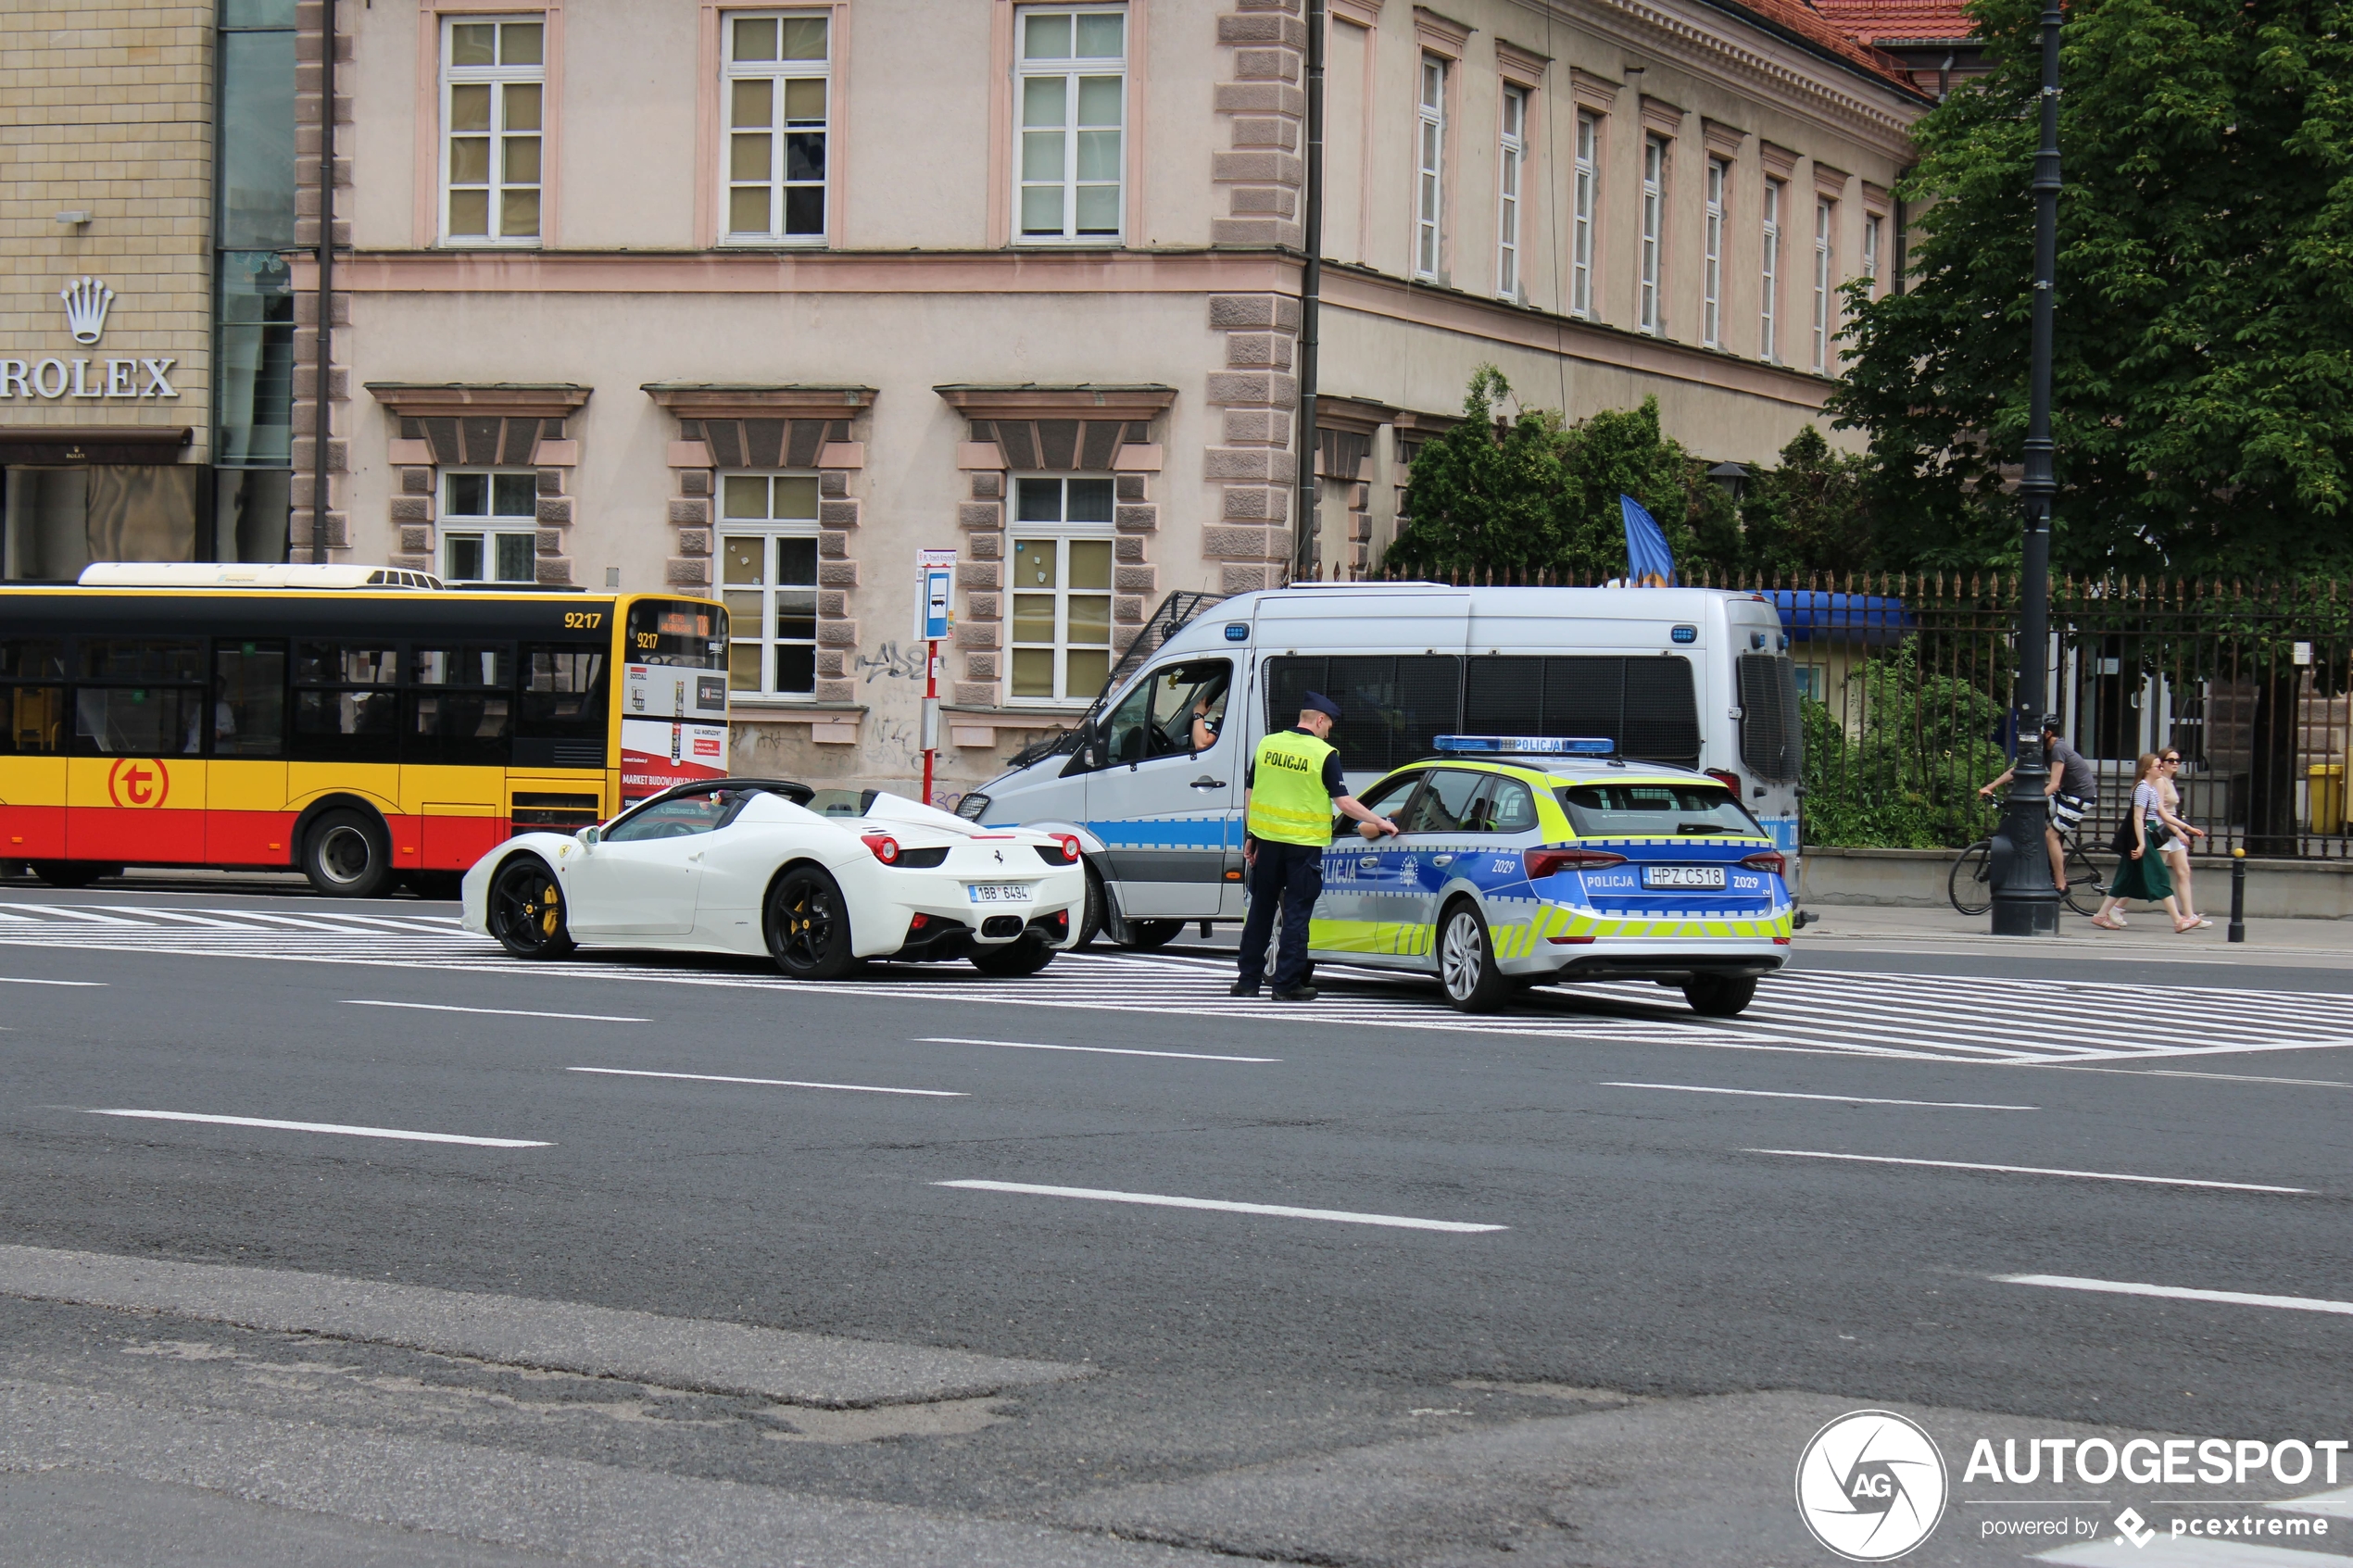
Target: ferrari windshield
{"points": [[1638, 810], [701, 809]]}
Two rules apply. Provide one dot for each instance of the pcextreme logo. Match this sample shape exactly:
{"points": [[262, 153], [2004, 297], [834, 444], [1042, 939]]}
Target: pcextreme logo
{"points": [[137, 781], [1871, 1485]]}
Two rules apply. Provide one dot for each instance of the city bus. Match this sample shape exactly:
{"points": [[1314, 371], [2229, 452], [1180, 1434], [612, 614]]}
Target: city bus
{"points": [[364, 725]]}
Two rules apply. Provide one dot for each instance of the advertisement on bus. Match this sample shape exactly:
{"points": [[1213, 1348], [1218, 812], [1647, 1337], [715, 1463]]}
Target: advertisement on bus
{"points": [[673, 728]]}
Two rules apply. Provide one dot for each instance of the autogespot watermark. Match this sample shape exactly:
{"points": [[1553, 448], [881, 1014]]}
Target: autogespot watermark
{"points": [[1871, 1485]]}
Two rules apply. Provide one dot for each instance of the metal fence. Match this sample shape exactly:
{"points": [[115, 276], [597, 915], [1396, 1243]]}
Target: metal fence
{"points": [[1910, 682]]}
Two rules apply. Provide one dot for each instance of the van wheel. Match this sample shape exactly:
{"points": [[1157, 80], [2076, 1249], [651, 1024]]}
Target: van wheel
{"points": [[1090, 919], [1025, 955], [808, 926], [1143, 936], [347, 854], [1466, 960], [526, 909], [73, 873], [1719, 996]]}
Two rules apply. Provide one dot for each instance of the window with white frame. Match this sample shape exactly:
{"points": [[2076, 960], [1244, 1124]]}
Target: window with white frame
{"points": [[1059, 587], [768, 580], [1652, 312], [1711, 326], [1872, 221], [1580, 242], [494, 78], [1510, 163], [1430, 182], [1768, 341], [775, 84], [1072, 100], [489, 526], [1825, 262]]}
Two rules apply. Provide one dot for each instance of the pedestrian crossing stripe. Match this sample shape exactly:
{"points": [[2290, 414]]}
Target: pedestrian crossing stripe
{"points": [[1912, 1017]]}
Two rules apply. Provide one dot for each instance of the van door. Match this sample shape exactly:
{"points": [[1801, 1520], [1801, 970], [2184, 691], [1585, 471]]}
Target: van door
{"points": [[1166, 784]]}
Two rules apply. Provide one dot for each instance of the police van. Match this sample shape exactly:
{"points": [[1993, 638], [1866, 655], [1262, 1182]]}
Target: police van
{"points": [[1152, 783]]}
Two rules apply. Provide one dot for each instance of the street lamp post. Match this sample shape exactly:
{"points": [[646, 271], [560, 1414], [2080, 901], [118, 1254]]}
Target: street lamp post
{"points": [[2025, 899]]}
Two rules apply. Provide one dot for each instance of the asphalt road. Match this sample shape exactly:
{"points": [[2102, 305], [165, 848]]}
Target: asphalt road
{"points": [[1573, 1287]]}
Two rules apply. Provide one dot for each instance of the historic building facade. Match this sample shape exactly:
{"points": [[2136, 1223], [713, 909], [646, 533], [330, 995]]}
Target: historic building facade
{"points": [[757, 302]]}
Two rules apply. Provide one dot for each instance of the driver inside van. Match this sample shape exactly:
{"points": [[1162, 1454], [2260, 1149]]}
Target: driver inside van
{"points": [[1208, 714]]}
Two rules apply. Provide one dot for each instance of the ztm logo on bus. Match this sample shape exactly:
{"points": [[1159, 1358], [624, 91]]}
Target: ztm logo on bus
{"points": [[141, 784]]}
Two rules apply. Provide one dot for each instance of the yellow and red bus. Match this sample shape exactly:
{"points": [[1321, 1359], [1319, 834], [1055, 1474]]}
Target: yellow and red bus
{"points": [[360, 724]]}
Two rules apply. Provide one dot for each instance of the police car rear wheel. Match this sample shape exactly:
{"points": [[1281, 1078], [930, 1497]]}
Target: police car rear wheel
{"points": [[1719, 996], [1467, 963]]}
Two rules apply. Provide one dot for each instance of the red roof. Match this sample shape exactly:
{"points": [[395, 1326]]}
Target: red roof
{"points": [[1877, 22], [1820, 25]]}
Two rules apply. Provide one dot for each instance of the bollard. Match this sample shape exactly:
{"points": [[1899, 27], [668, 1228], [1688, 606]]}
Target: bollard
{"points": [[2237, 932]]}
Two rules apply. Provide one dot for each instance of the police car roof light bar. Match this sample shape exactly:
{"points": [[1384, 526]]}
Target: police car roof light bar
{"points": [[1529, 746]]}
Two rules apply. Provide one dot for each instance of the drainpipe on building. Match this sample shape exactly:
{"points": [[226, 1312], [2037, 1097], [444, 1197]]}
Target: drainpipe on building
{"points": [[322, 422], [1903, 227], [1311, 289]]}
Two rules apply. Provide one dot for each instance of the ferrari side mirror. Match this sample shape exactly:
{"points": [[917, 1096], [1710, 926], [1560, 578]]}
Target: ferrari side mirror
{"points": [[589, 837]]}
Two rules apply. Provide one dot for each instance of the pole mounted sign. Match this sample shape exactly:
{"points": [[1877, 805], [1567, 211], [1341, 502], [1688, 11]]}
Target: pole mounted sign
{"points": [[935, 619]]}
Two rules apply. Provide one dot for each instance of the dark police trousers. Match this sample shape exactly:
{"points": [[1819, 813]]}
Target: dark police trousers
{"points": [[1289, 875]]}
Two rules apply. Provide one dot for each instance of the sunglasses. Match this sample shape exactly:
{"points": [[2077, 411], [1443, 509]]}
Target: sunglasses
{"points": [[2171, 762]]}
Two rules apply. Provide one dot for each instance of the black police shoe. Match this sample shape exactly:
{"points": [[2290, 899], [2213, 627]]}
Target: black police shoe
{"points": [[1295, 994], [1243, 988]]}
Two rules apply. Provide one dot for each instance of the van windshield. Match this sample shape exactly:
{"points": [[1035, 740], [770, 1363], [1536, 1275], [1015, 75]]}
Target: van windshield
{"points": [[1635, 810]]}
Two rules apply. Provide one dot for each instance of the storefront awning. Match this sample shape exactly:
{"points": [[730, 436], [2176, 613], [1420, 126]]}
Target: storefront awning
{"points": [[53, 445]]}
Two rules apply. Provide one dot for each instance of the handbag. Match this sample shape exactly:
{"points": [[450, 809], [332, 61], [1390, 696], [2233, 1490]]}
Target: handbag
{"points": [[2122, 844], [2160, 836]]}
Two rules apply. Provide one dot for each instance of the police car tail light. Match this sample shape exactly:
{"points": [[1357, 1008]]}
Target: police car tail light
{"points": [[1542, 863], [886, 847], [1768, 861]]}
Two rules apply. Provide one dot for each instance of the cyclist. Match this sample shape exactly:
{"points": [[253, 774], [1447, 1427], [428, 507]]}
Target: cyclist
{"points": [[2074, 789]]}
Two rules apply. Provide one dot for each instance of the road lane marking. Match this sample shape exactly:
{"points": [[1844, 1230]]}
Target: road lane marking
{"points": [[1096, 1050], [774, 1082], [1844, 1099], [401, 1132], [501, 1013], [1161, 1200], [2181, 1293], [2187, 1073], [19, 980], [2025, 1170], [61, 913]]}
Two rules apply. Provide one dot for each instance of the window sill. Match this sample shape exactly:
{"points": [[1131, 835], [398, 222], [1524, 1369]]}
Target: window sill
{"points": [[797, 242], [781, 706]]}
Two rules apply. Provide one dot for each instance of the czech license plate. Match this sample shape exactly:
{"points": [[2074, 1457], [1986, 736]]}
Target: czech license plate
{"points": [[998, 891], [1682, 876]]}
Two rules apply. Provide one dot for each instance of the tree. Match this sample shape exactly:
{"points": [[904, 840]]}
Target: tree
{"points": [[1809, 514], [2203, 384], [1531, 494]]}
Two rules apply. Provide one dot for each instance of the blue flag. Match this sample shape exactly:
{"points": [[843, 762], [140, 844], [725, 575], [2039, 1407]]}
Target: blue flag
{"points": [[1649, 563]]}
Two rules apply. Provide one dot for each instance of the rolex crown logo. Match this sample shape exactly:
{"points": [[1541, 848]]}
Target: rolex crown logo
{"points": [[86, 301]]}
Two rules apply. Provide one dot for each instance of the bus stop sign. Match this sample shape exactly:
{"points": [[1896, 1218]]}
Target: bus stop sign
{"points": [[934, 581]]}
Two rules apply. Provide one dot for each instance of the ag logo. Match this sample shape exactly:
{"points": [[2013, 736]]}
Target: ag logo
{"points": [[1870, 1486], [142, 783]]}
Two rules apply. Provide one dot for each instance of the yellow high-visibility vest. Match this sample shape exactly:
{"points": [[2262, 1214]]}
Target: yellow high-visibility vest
{"points": [[1288, 803]]}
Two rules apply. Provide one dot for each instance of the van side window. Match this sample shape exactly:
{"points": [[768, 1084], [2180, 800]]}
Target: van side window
{"points": [[1644, 702], [1157, 718], [1392, 707]]}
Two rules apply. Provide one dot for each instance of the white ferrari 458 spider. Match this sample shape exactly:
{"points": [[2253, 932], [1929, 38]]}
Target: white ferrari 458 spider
{"points": [[742, 866]]}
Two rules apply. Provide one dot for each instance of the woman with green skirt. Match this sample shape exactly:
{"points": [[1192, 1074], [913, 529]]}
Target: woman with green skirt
{"points": [[2141, 874]]}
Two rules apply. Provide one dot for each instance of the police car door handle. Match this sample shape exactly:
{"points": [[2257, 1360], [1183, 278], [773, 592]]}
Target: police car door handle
{"points": [[1205, 782]]}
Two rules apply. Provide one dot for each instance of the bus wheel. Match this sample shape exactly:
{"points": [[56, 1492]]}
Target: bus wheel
{"points": [[527, 909], [347, 856], [73, 873], [808, 926]]}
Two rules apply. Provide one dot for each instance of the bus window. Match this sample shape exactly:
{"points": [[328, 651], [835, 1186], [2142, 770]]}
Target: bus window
{"points": [[563, 691], [345, 703], [249, 700], [156, 710], [683, 632], [460, 704], [34, 714]]}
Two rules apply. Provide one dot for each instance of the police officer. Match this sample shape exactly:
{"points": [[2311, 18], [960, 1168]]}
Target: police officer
{"points": [[1294, 782]]}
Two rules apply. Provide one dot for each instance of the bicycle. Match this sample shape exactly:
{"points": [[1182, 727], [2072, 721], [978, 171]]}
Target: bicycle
{"points": [[1971, 887]]}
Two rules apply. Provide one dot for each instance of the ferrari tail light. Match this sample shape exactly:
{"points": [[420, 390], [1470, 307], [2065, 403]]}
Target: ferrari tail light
{"points": [[1545, 862], [1768, 861], [918, 922], [1728, 779], [886, 847], [1072, 849]]}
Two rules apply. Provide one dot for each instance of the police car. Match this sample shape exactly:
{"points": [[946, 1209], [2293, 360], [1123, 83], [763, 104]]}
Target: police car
{"points": [[1524, 860]]}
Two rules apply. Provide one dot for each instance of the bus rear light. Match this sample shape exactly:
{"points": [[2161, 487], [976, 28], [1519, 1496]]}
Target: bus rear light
{"points": [[886, 847], [1768, 861], [1541, 863], [1728, 779]]}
